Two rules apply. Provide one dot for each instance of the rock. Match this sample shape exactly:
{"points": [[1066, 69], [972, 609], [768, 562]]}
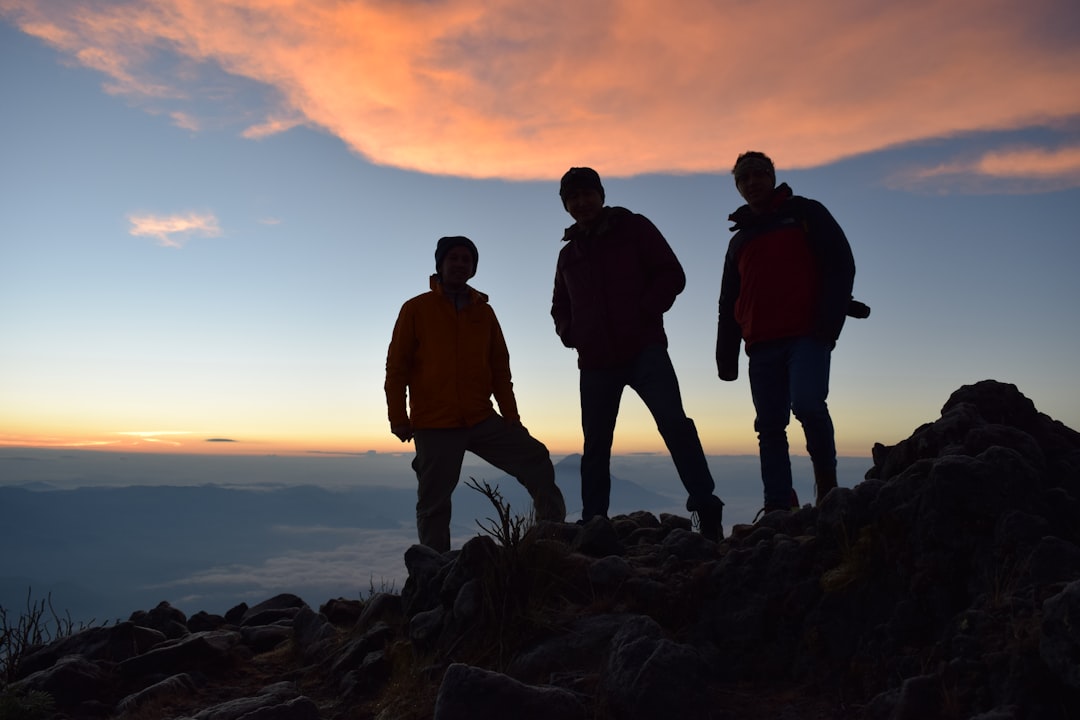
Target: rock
{"points": [[164, 618], [268, 697], [182, 683], [467, 693], [598, 538], [71, 680], [196, 652], [1059, 643], [116, 643]]}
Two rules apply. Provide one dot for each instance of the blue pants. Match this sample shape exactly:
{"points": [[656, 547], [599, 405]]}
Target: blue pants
{"points": [[652, 377], [790, 375]]}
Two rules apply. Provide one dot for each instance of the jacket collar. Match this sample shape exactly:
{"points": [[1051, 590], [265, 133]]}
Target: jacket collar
{"points": [[745, 217], [609, 216], [475, 296]]}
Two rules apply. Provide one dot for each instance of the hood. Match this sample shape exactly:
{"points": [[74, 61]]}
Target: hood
{"points": [[608, 217], [745, 217], [475, 295]]}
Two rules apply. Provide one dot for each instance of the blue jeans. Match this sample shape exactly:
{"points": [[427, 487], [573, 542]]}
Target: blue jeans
{"points": [[652, 377], [790, 375]]}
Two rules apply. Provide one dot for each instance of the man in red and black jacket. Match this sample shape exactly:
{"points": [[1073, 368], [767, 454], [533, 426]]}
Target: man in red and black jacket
{"points": [[786, 291]]}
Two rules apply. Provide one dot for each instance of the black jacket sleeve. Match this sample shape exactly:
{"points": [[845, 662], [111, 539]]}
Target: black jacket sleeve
{"points": [[837, 267], [728, 332]]}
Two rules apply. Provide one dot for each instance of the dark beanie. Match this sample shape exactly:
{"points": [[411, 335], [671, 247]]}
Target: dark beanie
{"points": [[577, 178], [448, 243]]}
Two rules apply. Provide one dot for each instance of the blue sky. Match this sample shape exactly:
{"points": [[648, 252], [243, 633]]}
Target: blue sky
{"points": [[208, 226]]}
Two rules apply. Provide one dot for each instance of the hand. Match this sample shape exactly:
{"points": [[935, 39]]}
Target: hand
{"points": [[404, 433]]}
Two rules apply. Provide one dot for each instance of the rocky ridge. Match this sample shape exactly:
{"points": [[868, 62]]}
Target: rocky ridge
{"points": [[945, 585]]}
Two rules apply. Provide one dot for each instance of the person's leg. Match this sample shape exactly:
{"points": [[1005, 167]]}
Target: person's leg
{"points": [[438, 466], [768, 370], [601, 393], [810, 364], [654, 380], [514, 451]]}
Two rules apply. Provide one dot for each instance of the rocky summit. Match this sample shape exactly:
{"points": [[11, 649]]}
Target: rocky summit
{"points": [[945, 585]]}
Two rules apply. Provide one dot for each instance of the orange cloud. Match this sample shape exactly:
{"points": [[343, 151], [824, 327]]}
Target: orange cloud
{"points": [[501, 88], [173, 230]]}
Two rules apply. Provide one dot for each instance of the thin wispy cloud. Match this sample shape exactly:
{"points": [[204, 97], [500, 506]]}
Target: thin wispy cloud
{"points": [[272, 126], [1011, 169], [156, 437], [500, 88], [185, 120], [1032, 162], [174, 230]]}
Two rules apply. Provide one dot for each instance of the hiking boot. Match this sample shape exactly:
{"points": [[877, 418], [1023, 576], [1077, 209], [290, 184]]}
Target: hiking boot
{"points": [[824, 481], [709, 514]]}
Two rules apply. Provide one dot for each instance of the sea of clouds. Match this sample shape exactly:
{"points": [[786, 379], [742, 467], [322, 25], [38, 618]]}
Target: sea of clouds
{"points": [[101, 534]]}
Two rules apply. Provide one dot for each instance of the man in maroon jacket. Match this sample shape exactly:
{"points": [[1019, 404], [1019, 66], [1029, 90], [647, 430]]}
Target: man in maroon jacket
{"points": [[614, 280]]}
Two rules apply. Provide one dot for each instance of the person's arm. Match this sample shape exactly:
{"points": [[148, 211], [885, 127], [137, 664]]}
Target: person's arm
{"points": [[728, 332], [837, 267], [399, 361], [561, 310], [665, 275], [502, 384]]}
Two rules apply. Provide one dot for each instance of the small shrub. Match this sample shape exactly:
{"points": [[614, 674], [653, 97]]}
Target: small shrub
{"points": [[383, 587], [508, 529], [32, 628]]}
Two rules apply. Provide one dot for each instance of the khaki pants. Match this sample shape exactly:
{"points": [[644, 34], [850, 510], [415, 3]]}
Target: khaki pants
{"points": [[510, 448]]}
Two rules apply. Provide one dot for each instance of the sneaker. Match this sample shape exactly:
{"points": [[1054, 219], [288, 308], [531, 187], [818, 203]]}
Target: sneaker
{"points": [[709, 516]]}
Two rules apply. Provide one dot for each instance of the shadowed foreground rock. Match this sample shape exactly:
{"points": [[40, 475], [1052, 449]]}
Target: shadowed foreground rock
{"points": [[946, 585]]}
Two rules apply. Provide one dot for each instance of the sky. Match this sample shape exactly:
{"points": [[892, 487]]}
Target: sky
{"points": [[211, 212]]}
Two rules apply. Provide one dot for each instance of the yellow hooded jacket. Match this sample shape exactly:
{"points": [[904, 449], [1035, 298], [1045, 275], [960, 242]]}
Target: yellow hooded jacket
{"points": [[451, 361]]}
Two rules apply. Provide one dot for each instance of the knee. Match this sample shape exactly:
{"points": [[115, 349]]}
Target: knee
{"points": [[811, 411], [771, 426]]}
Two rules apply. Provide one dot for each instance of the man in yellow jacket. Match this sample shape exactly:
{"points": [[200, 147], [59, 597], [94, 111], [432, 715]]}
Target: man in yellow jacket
{"points": [[449, 356]]}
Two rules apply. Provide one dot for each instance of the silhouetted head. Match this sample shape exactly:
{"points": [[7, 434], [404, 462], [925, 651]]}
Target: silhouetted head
{"points": [[753, 159], [582, 193], [755, 179], [450, 265]]}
